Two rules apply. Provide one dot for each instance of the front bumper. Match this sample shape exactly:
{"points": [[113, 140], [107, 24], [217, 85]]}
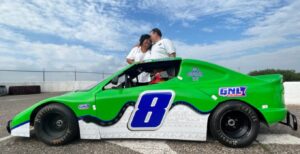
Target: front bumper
{"points": [[290, 121], [8, 127]]}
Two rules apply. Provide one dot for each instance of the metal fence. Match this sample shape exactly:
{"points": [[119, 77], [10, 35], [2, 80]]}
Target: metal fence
{"points": [[46, 75]]}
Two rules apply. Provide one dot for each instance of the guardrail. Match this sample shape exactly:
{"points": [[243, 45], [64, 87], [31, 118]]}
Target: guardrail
{"points": [[47, 75], [3, 90]]}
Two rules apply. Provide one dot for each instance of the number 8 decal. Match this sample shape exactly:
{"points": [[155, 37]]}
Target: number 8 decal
{"points": [[151, 110]]}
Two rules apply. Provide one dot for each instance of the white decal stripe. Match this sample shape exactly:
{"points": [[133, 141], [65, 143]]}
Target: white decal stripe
{"points": [[22, 130], [88, 130]]}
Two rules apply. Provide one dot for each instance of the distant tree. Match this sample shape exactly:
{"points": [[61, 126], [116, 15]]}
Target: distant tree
{"points": [[288, 75]]}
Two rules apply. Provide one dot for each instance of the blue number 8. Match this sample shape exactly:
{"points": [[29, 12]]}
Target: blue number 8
{"points": [[151, 109]]}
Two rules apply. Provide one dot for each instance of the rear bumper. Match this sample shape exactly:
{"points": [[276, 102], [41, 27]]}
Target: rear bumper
{"points": [[8, 127], [290, 121]]}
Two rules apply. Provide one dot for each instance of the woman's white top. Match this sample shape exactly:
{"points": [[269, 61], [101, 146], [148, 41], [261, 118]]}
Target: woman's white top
{"points": [[137, 55]]}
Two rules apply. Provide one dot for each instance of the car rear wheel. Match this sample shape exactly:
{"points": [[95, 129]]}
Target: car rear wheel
{"points": [[234, 124], [55, 124]]}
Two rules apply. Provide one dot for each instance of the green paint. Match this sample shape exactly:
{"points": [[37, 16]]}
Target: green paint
{"points": [[197, 89]]}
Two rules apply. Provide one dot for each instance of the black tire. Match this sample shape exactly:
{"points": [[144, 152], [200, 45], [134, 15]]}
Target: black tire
{"points": [[234, 124], [55, 124]]}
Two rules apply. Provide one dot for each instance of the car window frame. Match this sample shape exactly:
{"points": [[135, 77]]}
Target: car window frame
{"points": [[123, 72]]}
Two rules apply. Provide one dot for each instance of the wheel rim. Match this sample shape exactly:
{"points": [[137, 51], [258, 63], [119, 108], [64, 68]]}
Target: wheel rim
{"points": [[54, 125], [235, 124]]}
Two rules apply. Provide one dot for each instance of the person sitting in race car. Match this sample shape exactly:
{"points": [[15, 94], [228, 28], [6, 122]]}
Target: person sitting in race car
{"points": [[159, 76]]}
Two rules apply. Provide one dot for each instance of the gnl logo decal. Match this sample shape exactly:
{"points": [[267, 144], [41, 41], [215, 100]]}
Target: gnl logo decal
{"points": [[232, 91]]}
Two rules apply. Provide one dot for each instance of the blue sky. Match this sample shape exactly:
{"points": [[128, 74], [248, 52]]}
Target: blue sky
{"points": [[96, 35]]}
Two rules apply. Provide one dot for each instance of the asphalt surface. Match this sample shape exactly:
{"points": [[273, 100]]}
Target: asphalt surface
{"points": [[276, 139]]}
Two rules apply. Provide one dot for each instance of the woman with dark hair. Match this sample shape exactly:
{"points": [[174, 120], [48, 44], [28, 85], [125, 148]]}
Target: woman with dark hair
{"points": [[140, 52]]}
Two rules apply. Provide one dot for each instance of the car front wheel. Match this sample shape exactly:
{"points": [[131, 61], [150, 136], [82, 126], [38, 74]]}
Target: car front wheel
{"points": [[234, 124], [55, 124]]}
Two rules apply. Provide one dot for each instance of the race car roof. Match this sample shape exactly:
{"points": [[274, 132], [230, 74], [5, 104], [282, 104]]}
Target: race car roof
{"points": [[162, 59]]}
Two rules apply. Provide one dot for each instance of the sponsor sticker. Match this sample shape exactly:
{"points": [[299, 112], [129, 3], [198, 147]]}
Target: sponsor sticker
{"points": [[83, 106], [195, 74], [232, 91]]}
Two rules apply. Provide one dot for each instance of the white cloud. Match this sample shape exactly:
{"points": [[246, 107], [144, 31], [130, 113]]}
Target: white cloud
{"points": [[284, 22], [272, 32], [103, 24], [18, 53], [99, 22], [286, 58], [52, 57], [195, 9], [227, 54], [223, 49], [7, 35], [36, 56]]}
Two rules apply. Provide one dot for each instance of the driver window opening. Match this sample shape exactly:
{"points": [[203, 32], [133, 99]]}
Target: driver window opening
{"points": [[145, 74]]}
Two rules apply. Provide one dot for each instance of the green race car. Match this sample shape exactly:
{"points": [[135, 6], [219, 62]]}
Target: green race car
{"points": [[162, 99]]}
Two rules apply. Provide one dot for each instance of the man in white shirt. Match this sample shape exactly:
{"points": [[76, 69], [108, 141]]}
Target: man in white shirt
{"points": [[161, 48]]}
